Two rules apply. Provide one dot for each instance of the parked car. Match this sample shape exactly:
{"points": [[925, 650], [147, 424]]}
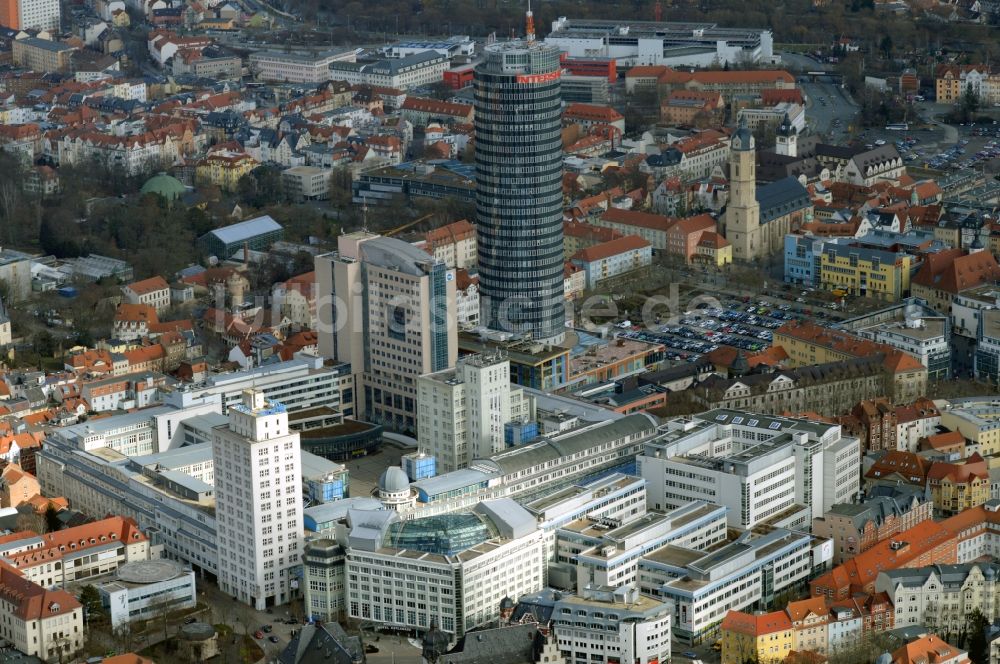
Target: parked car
{"points": [[258, 634], [273, 639]]}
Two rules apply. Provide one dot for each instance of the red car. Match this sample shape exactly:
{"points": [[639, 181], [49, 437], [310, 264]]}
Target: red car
{"points": [[258, 634]]}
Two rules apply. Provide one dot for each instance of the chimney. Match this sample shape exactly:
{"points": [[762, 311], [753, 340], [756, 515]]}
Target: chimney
{"points": [[246, 252]]}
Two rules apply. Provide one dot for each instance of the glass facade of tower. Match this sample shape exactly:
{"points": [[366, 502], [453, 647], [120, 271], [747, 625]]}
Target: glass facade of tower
{"points": [[519, 190]]}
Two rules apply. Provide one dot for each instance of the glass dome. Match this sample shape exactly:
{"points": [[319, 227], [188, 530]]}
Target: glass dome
{"points": [[444, 534]]}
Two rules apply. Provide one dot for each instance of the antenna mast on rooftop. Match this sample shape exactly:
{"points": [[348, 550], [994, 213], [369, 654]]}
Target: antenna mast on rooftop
{"points": [[529, 25]]}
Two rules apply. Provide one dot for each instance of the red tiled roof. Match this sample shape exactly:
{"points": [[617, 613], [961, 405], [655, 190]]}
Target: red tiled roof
{"points": [[910, 465], [720, 77], [450, 233], [424, 105], [927, 650], [611, 248], [756, 624], [151, 285], [861, 571], [802, 608], [30, 600], [947, 439], [645, 71], [773, 96], [139, 313], [973, 468], [953, 272], [713, 240], [696, 224], [636, 218], [592, 112], [579, 229]]}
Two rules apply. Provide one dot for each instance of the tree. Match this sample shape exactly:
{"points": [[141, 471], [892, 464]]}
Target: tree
{"points": [[124, 638], [885, 46], [340, 187], [970, 102], [261, 187], [28, 519], [52, 522], [93, 608], [978, 645]]}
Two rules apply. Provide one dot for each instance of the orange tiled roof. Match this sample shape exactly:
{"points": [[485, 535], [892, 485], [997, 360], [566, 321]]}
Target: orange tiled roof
{"points": [[947, 439], [953, 272], [611, 248], [151, 285], [30, 600], [646, 71], [636, 218], [910, 465], [696, 224], [592, 112], [927, 650], [861, 571], [802, 608], [449, 233], [972, 469], [579, 229], [756, 624], [140, 313]]}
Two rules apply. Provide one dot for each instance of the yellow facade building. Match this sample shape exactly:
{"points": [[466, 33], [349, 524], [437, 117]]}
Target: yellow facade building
{"points": [[959, 486], [766, 638], [865, 272], [224, 169], [713, 249], [978, 420]]}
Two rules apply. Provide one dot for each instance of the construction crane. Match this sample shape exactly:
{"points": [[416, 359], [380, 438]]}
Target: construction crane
{"points": [[407, 225]]}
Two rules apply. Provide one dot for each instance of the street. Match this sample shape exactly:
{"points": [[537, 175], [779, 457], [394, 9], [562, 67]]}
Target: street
{"points": [[829, 110]]}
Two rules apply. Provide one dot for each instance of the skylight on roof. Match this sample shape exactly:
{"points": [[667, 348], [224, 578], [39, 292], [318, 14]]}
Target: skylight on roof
{"points": [[721, 418], [774, 425], [753, 423], [737, 420]]}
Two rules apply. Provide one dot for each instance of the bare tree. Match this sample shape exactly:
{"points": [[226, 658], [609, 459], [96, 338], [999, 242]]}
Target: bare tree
{"points": [[123, 637], [245, 619], [31, 520], [8, 203]]}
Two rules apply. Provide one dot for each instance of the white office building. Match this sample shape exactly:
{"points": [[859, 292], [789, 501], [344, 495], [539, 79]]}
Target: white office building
{"points": [[296, 67], [177, 513], [142, 432], [703, 586], [147, 589], [451, 569], [461, 412], [300, 383], [38, 15], [775, 470], [540, 468], [662, 43], [387, 309], [404, 73], [602, 625], [258, 497], [606, 552]]}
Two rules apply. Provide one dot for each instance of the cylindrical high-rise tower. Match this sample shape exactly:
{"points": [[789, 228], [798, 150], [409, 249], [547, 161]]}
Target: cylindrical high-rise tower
{"points": [[519, 190]]}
